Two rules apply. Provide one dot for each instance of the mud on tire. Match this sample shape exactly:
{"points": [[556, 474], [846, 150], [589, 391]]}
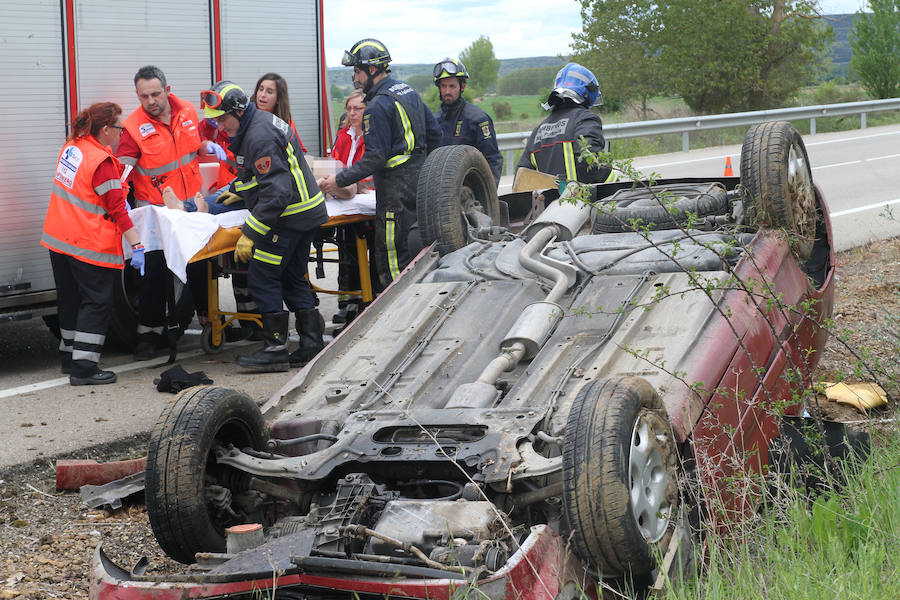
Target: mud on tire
{"points": [[620, 487], [454, 181], [181, 467], [777, 177]]}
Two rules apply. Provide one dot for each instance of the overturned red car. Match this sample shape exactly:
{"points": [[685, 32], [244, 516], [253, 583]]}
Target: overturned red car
{"points": [[526, 411]]}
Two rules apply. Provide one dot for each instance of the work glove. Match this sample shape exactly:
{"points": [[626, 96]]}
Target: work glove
{"points": [[243, 250], [137, 257], [214, 148], [227, 198]]}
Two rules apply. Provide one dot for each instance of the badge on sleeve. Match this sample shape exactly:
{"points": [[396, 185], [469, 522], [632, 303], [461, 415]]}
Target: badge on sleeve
{"points": [[485, 129], [366, 124], [263, 164]]}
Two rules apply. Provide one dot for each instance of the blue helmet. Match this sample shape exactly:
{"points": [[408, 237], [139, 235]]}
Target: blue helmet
{"points": [[576, 83]]}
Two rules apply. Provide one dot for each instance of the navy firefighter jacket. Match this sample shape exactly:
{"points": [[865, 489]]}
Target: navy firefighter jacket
{"points": [[273, 178], [554, 145], [464, 123], [396, 125]]}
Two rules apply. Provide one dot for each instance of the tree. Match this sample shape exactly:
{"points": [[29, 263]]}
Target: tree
{"points": [[718, 56], [875, 41], [619, 43], [337, 94], [527, 81], [743, 54], [481, 63], [421, 83]]}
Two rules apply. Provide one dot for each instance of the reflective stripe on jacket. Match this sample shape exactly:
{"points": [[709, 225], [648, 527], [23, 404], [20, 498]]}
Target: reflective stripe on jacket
{"points": [[396, 125], [77, 223], [168, 154], [273, 178], [554, 145]]}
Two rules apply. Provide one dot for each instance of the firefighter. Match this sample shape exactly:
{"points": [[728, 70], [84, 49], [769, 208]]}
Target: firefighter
{"points": [[161, 141], [86, 220], [553, 146], [461, 122], [399, 131], [286, 208]]}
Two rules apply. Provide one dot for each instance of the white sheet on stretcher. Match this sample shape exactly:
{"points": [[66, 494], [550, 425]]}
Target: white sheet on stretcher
{"points": [[180, 235]]}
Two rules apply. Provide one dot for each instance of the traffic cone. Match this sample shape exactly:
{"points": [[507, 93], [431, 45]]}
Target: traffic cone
{"points": [[728, 171]]}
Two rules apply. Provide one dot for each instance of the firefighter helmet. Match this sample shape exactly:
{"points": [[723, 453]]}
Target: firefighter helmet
{"points": [[576, 83], [224, 97], [367, 52], [449, 67]]}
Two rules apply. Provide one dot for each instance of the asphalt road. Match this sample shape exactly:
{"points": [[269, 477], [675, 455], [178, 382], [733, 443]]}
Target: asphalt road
{"points": [[855, 170], [44, 416]]}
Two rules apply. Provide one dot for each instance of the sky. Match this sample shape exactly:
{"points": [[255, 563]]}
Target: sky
{"points": [[425, 31]]}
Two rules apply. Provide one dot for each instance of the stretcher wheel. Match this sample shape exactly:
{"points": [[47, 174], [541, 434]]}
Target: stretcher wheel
{"points": [[206, 340]]}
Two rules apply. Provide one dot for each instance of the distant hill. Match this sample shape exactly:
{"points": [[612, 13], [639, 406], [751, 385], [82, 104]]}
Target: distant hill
{"points": [[840, 48], [342, 76], [839, 54]]}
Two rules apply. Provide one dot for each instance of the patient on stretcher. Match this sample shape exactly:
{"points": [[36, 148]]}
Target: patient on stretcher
{"points": [[198, 204]]}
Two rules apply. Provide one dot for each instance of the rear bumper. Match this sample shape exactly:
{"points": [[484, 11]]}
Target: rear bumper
{"points": [[539, 570]]}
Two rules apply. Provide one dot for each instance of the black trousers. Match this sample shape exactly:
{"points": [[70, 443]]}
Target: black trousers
{"points": [[395, 217], [84, 296], [277, 272], [152, 295]]}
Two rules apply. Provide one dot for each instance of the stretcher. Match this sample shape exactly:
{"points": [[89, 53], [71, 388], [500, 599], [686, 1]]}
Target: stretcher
{"points": [[222, 244]]}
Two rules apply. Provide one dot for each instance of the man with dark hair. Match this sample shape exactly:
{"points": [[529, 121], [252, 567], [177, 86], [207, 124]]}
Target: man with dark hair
{"points": [[461, 122], [161, 140], [399, 131]]}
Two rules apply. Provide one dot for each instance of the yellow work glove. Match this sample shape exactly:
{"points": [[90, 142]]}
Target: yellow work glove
{"points": [[244, 249], [226, 198]]}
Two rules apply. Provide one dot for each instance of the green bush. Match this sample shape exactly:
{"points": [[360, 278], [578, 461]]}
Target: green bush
{"points": [[502, 110]]}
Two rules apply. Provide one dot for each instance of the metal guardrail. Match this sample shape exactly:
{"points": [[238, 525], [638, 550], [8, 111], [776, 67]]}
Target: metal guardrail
{"points": [[510, 142]]}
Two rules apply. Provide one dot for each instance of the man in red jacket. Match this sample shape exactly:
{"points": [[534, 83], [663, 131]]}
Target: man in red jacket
{"points": [[161, 140]]}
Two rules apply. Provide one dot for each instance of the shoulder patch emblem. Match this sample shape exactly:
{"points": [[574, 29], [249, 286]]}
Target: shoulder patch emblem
{"points": [[68, 165], [366, 123], [485, 129], [458, 128], [263, 164]]}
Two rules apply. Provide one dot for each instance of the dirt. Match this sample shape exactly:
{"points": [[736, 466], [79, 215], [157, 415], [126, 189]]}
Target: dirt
{"points": [[48, 538]]}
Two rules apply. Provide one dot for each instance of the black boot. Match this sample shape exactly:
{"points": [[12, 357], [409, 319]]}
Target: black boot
{"points": [[310, 327], [273, 356]]}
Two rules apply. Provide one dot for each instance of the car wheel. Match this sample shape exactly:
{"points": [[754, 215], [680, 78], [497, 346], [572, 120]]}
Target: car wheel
{"points": [[680, 201], [776, 174], [456, 189], [123, 321], [619, 476], [187, 492]]}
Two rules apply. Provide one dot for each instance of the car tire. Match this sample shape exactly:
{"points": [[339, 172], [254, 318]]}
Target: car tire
{"points": [[776, 175], [620, 487], [123, 321], [681, 201], [181, 466], [454, 180]]}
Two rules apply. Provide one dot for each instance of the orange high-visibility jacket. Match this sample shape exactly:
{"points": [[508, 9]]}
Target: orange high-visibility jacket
{"points": [[77, 223], [168, 156]]}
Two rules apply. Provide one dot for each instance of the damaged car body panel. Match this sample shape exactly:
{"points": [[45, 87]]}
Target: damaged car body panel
{"points": [[518, 415]]}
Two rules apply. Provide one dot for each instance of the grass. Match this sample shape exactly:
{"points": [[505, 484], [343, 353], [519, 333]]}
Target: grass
{"points": [[841, 544]]}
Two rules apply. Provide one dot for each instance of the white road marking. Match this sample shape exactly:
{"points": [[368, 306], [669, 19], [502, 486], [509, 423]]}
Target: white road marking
{"points": [[58, 381], [808, 144], [850, 211]]}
